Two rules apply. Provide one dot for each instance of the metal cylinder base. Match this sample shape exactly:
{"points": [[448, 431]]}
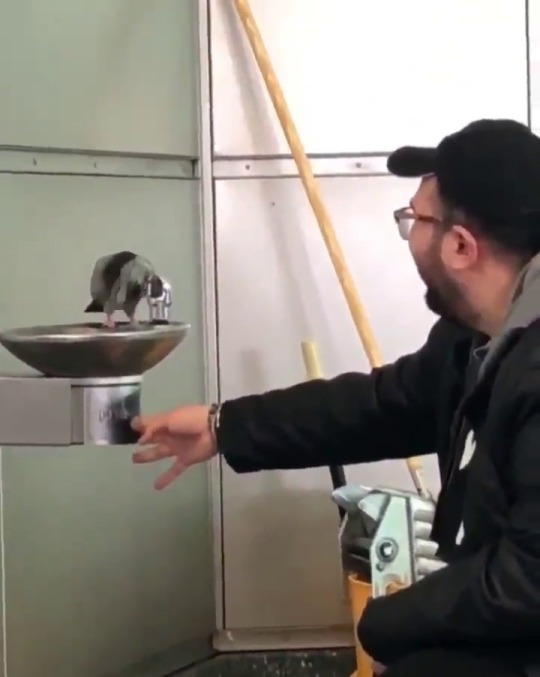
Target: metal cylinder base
{"points": [[102, 410]]}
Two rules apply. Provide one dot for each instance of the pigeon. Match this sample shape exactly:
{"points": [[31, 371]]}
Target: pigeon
{"points": [[119, 281]]}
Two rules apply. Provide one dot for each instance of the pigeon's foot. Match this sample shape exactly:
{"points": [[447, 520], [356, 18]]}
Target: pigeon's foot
{"points": [[109, 322]]}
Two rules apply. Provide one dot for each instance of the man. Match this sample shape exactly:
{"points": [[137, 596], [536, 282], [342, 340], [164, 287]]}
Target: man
{"points": [[473, 229]]}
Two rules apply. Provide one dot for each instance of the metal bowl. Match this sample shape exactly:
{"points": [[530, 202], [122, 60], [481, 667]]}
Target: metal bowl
{"points": [[93, 351]]}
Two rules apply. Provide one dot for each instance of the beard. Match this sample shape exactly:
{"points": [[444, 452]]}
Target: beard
{"points": [[444, 295], [446, 299], [442, 304]]}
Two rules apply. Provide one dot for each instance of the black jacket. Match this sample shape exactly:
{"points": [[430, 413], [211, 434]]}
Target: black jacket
{"points": [[489, 594]]}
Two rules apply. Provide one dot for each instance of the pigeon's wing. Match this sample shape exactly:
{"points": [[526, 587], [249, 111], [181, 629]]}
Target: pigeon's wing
{"points": [[122, 288], [115, 265], [98, 288], [111, 303], [130, 306], [107, 272], [132, 279]]}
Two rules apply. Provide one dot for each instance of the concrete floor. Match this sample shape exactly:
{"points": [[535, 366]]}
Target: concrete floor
{"points": [[328, 663]]}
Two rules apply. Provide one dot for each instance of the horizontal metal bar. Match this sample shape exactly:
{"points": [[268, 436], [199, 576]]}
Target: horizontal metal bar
{"points": [[286, 167], [95, 151], [52, 162], [38, 161]]}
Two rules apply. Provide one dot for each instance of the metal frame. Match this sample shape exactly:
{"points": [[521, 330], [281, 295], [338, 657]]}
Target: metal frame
{"points": [[210, 324], [73, 163], [285, 167]]}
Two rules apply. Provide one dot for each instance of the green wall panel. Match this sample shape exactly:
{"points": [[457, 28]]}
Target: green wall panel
{"points": [[101, 571]]}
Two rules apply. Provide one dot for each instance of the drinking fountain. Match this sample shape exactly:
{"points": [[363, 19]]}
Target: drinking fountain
{"points": [[86, 385]]}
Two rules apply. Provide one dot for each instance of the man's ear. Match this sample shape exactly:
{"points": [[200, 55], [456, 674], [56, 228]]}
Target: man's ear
{"points": [[459, 248]]}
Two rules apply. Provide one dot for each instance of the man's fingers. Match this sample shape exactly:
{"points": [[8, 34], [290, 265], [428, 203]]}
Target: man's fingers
{"points": [[149, 435], [156, 453], [151, 430], [176, 469], [152, 433]]}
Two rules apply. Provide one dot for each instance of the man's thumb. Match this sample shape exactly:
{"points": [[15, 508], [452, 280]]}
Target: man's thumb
{"points": [[137, 424]]}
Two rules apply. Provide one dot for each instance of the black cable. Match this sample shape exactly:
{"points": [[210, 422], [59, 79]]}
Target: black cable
{"points": [[337, 473]]}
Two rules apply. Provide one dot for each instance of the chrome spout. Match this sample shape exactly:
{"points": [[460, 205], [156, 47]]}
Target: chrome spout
{"points": [[158, 294]]}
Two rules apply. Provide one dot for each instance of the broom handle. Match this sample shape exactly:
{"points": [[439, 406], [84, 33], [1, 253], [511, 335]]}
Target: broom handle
{"points": [[322, 215], [314, 371]]}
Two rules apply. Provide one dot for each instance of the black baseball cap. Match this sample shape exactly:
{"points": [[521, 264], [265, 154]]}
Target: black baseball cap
{"points": [[490, 169]]}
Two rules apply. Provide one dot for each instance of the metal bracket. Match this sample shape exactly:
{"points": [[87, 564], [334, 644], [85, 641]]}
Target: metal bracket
{"points": [[386, 534]]}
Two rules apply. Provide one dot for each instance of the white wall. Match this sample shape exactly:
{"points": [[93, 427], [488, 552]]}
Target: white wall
{"points": [[358, 84], [534, 68]]}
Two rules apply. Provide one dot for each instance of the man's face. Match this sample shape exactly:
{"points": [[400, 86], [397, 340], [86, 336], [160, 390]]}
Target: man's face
{"points": [[435, 248]]}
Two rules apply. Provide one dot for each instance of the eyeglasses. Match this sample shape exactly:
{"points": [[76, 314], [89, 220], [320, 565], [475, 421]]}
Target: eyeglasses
{"points": [[406, 217]]}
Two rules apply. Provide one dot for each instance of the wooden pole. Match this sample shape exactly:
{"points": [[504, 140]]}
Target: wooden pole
{"points": [[314, 371], [322, 216]]}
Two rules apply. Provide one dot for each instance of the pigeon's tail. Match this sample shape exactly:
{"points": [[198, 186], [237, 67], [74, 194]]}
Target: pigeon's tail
{"points": [[94, 307]]}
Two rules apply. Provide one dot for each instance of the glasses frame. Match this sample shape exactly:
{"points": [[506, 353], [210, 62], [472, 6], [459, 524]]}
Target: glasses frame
{"points": [[405, 218]]}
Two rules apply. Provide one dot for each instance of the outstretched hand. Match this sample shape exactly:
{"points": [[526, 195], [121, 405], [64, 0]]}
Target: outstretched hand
{"points": [[182, 435]]}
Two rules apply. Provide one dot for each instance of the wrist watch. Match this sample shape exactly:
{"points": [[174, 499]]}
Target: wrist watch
{"points": [[213, 420]]}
